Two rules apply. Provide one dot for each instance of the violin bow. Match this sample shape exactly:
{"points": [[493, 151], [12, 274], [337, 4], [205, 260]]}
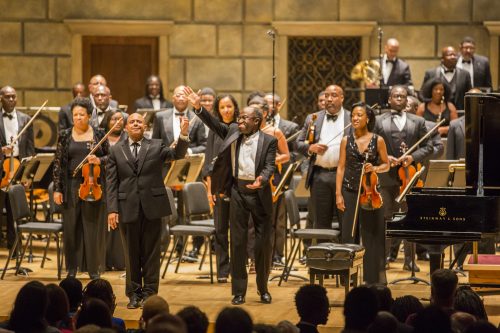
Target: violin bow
{"points": [[28, 123], [428, 134], [355, 221]]}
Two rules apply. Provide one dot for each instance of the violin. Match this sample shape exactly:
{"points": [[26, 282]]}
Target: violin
{"points": [[311, 130], [406, 173], [370, 199], [90, 189], [10, 166]]}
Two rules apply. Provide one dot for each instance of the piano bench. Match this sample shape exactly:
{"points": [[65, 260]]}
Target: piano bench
{"points": [[344, 260]]}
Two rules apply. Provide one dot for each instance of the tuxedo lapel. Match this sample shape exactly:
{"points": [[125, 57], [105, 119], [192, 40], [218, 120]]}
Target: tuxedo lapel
{"points": [[260, 147], [386, 124], [2, 132], [411, 128], [169, 126], [319, 125], [142, 154], [127, 154]]}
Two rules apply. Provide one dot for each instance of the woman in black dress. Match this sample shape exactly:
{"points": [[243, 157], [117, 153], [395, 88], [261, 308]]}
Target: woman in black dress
{"points": [[84, 221], [362, 147]]}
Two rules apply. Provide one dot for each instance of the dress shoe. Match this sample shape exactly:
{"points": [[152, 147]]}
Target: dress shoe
{"points": [[222, 280], [71, 273], [134, 303], [407, 267], [303, 260], [423, 256], [266, 298], [238, 300], [390, 259], [194, 253], [94, 276]]}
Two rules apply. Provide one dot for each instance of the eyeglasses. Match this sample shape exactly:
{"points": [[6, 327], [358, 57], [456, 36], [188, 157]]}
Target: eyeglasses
{"points": [[245, 117]]}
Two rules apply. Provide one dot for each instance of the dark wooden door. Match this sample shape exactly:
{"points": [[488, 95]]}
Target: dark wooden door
{"points": [[125, 62]]}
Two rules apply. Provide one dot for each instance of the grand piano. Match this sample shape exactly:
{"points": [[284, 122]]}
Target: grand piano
{"points": [[438, 217]]}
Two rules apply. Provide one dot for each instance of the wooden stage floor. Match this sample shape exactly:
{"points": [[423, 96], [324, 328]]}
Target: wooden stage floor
{"points": [[187, 288]]}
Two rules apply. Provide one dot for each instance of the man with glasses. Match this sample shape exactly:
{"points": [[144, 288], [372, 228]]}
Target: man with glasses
{"points": [[242, 171], [477, 65]]}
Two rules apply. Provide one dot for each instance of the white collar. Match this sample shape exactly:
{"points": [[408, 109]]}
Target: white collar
{"points": [[13, 113], [131, 142]]}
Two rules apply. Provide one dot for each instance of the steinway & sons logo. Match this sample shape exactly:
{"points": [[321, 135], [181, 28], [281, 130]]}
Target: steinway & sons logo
{"points": [[442, 216]]}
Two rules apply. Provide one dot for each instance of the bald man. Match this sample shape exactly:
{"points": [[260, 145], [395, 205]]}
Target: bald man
{"points": [[96, 81], [102, 103], [394, 70]]}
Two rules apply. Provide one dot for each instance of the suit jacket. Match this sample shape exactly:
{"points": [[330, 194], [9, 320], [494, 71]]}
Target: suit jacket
{"points": [[222, 174], [289, 128], [132, 189], [400, 74], [436, 142], [26, 141], [65, 117], [163, 129], [147, 103], [303, 147], [482, 72], [415, 129], [455, 145], [461, 85]]}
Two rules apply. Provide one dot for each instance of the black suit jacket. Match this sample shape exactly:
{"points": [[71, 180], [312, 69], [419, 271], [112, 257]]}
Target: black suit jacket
{"points": [[415, 129], [400, 74], [482, 72], [459, 88], [303, 147], [222, 174], [163, 129], [131, 189], [147, 103], [65, 117], [289, 128], [455, 145], [26, 141]]}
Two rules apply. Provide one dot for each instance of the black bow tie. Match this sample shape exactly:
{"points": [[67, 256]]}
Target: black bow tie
{"points": [[466, 61], [100, 113], [9, 115], [179, 114], [446, 70], [391, 61], [396, 113], [331, 117]]}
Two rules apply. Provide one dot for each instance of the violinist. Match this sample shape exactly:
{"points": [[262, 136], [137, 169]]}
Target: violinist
{"points": [[84, 221], [399, 129], [11, 124], [360, 150]]}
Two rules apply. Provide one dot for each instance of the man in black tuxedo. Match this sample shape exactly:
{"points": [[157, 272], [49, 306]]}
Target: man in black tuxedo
{"points": [[394, 70], [96, 81], [324, 154], [65, 115], [399, 129], [242, 171], [102, 102], [137, 199], [153, 98], [459, 79], [477, 65], [11, 124]]}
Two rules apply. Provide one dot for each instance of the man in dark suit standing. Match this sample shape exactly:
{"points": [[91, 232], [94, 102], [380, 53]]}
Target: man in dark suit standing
{"points": [[102, 101], [137, 199], [477, 65], [394, 70], [11, 124], [65, 115], [458, 78], [242, 171], [399, 129], [154, 98], [324, 152]]}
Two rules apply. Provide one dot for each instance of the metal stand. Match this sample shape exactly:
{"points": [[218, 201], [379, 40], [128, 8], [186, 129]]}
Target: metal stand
{"points": [[412, 277]]}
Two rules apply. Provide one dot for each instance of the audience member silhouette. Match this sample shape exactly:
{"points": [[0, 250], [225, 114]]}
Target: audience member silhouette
{"points": [[166, 323], [360, 309], [312, 306], [444, 283], [195, 319], [405, 306], [58, 308], [432, 319], [73, 288], [231, 320], [94, 311], [467, 300]]}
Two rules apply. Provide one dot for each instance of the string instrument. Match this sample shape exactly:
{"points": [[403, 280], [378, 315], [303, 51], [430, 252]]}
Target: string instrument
{"points": [[311, 131], [370, 199]]}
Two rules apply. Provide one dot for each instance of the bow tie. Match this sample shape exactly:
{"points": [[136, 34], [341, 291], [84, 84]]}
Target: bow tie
{"points": [[390, 61], [466, 61], [446, 70], [179, 114], [100, 113], [395, 113], [331, 117], [9, 115]]}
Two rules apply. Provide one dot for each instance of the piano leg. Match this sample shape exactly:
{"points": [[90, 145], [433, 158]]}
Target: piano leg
{"points": [[436, 257]]}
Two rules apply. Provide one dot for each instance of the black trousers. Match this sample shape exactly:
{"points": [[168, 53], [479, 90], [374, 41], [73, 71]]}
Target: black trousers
{"points": [[141, 241], [278, 235], [323, 198], [221, 220], [9, 220], [244, 205], [115, 258], [371, 228]]}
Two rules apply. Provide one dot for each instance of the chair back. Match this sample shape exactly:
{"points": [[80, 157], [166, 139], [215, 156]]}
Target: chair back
{"points": [[195, 199], [19, 203], [292, 209], [53, 207], [172, 219]]}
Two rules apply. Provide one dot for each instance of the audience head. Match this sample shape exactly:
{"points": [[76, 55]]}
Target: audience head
{"points": [[135, 127], [460, 321], [443, 286], [404, 306], [321, 100], [481, 327], [153, 306], [312, 304], [467, 48], [58, 307], [254, 94], [363, 115], [93, 311], [360, 308], [227, 108], [102, 96], [449, 57], [391, 48], [436, 90], [100, 289], [286, 326], [179, 99], [207, 98], [384, 296], [334, 98], [232, 320], [96, 81], [467, 300], [78, 90], [30, 306], [154, 87], [411, 104], [474, 91], [432, 319], [8, 97], [73, 288], [398, 97], [264, 328], [384, 322], [166, 323], [196, 320], [82, 104], [249, 120]]}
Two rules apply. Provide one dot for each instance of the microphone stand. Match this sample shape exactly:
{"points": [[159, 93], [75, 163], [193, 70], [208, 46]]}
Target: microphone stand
{"points": [[271, 33]]}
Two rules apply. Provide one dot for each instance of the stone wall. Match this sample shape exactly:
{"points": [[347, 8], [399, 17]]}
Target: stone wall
{"points": [[222, 43]]}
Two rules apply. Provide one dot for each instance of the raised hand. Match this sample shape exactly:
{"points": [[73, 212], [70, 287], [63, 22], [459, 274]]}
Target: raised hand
{"points": [[184, 122], [193, 98]]}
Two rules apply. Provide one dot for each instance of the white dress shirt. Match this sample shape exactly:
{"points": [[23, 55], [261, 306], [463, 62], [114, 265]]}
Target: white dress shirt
{"points": [[329, 130], [468, 67], [386, 68], [156, 102], [11, 129], [246, 157], [399, 119], [131, 145], [448, 76], [277, 120], [176, 123]]}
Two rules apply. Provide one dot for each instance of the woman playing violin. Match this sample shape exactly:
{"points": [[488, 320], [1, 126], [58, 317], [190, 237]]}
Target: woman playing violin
{"points": [[84, 221], [363, 150]]}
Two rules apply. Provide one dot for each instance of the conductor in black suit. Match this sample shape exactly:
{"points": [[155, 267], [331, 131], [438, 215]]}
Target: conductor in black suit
{"points": [[394, 70], [137, 199], [477, 65], [242, 170], [457, 78], [154, 98]]}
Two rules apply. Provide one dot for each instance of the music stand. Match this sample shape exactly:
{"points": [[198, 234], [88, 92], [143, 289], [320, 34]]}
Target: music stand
{"points": [[438, 174], [378, 96]]}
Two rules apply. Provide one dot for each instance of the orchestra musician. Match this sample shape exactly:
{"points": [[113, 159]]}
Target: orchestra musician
{"points": [[362, 149], [395, 71], [84, 221], [243, 168], [65, 116], [153, 98], [102, 100], [11, 124]]}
